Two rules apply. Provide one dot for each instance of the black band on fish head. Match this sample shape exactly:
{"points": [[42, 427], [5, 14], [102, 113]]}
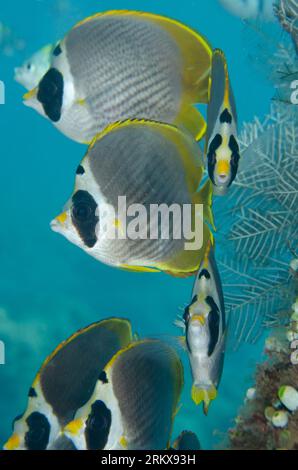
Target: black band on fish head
{"points": [[84, 217], [37, 437], [204, 273], [32, 392], [226, 117], [186, 318], [103, 377], [213, 324], [98, 426], [57, 51], [80, 170], [211, 155], [186, 313], [234, 147], [50, 93]]}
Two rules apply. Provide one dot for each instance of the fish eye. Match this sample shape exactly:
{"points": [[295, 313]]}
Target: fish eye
{"points": [[28, 66], [82, 211]]}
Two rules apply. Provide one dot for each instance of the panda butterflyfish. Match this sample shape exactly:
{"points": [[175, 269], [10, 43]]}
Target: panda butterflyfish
{"points": [[66, 381], [135, 198], [122, 65], [222, 147], [205, 332], [134, 402]]}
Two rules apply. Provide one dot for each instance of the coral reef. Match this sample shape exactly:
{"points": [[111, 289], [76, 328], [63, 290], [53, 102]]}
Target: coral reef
{"points": [[269, 418], [257, 222]]}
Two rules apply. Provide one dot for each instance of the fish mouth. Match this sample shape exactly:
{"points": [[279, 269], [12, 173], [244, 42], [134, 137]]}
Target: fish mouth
{"points": [[30, 94], [54, 225], [58, 223], [222, 179], [198, 318]]}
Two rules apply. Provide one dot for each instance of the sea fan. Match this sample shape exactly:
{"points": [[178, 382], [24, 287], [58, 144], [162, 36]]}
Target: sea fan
{"points": [[253, 296], [284, 71], [256, 221], [287, 13]]}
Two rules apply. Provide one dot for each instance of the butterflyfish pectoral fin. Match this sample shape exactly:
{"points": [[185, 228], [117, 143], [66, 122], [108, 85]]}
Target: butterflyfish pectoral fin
{"points": [[192, 120]]}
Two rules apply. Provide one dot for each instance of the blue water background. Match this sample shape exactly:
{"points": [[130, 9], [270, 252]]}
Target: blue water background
{"points": [[48, 287]]}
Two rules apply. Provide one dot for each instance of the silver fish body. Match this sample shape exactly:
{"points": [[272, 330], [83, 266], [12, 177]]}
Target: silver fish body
{"points": [[65, 382], [124, 65], [149, 164]]}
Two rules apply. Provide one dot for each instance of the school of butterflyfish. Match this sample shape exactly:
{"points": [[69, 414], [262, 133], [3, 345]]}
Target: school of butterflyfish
{"points": [[127, 85]]}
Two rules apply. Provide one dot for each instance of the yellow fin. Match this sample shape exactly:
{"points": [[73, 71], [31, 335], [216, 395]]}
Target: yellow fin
{"points": [[128, 122], [197, 55], [138, 269], [222, 56], [205, 197], [182, 341], [191, 119], [123, 442], [13, 442], [74, 427], [30, 94], [228, 100], [81, 101], [205, 395]]}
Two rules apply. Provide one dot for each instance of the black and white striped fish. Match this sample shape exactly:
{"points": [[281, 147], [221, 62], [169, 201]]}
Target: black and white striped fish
{"points": [[222, 148], [205, 332], [134, 402], [151, 164]]}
